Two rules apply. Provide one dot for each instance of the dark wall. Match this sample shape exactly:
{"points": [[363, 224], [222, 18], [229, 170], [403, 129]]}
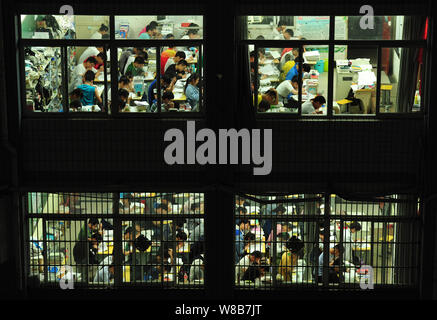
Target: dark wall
{"points": [[362, 155]]}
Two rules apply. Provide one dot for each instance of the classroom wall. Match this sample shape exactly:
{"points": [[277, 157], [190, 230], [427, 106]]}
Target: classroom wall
{"points": [[137, 23]]}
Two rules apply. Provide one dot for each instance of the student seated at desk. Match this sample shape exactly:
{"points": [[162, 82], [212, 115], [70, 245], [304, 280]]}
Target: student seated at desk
{"points": [[105, 274], [136, 68], [167, 85], [101, 59], [267, 99], [124, 58], [279, 29], [125, 83], [335, 272], [197, 268], [180, 55], [99, 33], [90, 52], [177, 70], [248, 260], [313, 106], [150, 32], [295, 70], [78, 72], [123, 98], [289, 259], [166, 102], [287, 88], [90, 92], [191, 91], [193, 32]]}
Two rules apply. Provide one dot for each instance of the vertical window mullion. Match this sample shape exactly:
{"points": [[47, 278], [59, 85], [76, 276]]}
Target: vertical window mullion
{"points": [[200, 72], [64, 62], [331, 66], [299, 79], [378, 81], [326, 242], [117, 241], [255, 80], [158, 77]]}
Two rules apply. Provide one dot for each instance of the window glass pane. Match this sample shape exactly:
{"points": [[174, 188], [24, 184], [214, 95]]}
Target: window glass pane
{"points": [[86, 87], [275, 240], [287, 27], [137, 70], [355, 79], [64, 27], [278, 79], [401, 91], [162, 243], [159, 27], [383, 28], [181, 79], [43, 75]]}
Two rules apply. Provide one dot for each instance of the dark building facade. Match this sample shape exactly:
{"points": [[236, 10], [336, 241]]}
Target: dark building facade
{"points": [[349, 156]]}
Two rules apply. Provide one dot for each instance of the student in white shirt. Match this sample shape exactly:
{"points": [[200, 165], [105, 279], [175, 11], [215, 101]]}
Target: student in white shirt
{"points": [[79, 71], [90, 52], [248, 260], [99, 34], [180, 55], [313, 106], [277, 32], [193, 32]]}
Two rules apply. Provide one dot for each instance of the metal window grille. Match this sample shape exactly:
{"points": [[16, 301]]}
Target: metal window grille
{"points": [[113, 240], [308, 241]]}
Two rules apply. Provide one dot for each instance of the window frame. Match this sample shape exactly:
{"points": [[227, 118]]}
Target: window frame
{"points": [[112, 44], [325, 218], [118, 218], [425, 44]]}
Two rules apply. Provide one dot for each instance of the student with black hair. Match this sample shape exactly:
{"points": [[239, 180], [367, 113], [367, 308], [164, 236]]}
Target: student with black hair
{"points": [[279, 29], [252, 259], [193, 32], [180, 55], [90, 52], [90, 92], [123, 97], [295, 70], [270, 97], [241, 229], [101, 59], [150, 33], [82, 245], [136, 68], [167, 85], [166, 102], [124, 57], [99, 33], [152, 24], [288, 34], [290, 258], [191, 91], [177, 70], [314, 105], [75, 106], [79, 71], [349, 239]]}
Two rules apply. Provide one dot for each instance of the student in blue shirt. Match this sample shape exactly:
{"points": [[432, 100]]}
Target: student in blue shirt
{"points": [[192, 91], [295, 70], [89, 91], [150, 32]]}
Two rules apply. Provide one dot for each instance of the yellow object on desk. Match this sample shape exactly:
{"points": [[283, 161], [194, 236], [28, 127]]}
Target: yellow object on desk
{"points": [[180, 98], [126, 273], [344, 101]]}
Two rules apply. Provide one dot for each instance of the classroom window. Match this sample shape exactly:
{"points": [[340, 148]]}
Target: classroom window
{"points": [[64, 27], [368, 71], [287, 27], [153, 239], [56, 58], [283, 240], [163, 27]]}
